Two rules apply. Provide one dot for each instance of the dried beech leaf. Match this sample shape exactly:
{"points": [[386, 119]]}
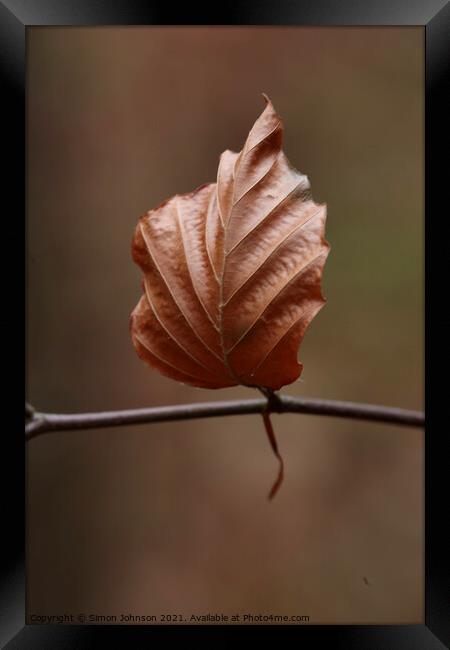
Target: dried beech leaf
{"points": [[232, 271]]}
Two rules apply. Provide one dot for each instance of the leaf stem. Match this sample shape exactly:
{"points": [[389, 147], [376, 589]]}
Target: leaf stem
{"points": [[273, 443], [274, 404]]}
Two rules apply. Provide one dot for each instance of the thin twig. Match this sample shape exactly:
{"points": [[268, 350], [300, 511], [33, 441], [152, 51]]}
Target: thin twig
{"points": [[41, 423], [29, 411]]}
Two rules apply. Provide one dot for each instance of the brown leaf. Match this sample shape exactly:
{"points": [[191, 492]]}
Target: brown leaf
{"points": [[232, 271]]}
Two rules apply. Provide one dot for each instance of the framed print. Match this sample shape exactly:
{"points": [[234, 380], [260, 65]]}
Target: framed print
{"points": [[229, 329]]}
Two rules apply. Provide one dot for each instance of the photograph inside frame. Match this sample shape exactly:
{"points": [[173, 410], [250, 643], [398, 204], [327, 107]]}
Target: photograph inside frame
{"points": [[169, 522]]}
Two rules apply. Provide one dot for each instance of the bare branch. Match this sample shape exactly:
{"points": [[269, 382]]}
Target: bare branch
{"points": [[29, 411], [41, 423]]}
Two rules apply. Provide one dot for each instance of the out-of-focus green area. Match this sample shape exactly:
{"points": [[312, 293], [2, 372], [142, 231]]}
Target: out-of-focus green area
{"points": [[173, 518]]}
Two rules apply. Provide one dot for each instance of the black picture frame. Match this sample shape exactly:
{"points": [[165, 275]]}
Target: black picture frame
{"points": [[434, 15]]}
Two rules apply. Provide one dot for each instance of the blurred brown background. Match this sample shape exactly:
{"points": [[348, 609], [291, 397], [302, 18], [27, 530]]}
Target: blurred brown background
{"points": [[173, 518]]}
